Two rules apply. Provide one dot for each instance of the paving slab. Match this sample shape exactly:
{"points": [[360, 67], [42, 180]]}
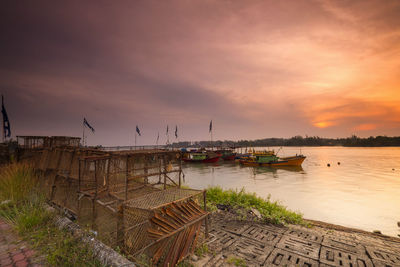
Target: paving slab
{"points": [[280, 257], [322, 245], [14, 251]]}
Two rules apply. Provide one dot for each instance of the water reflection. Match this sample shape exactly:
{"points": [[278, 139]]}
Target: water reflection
{"points": [[261, 170]]}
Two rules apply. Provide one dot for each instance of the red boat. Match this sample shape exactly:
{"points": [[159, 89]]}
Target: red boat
{"points": [[203, 157], [227, 154]]}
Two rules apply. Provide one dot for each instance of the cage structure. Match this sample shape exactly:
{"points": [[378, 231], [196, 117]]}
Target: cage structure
{"points": [[134, 201], [40, 142]]}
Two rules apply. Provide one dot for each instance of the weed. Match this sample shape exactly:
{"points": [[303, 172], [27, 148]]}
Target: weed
{"points": [[184, 263], [143, 260], [201, 250], [236, 261]]}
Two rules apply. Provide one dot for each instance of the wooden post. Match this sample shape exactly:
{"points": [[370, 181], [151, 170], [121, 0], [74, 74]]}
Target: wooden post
{"points": [[180, 171], [95, 178], [94, 214], [205, 209], [159, 169], [79, 175], [55, 173], [79, 188], [165, 173], [108, 175], [146, 171], [126, 177], [120, 226]]}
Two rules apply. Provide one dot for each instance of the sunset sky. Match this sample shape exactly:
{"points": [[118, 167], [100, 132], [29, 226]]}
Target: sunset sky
{"points": [[256, 68]]}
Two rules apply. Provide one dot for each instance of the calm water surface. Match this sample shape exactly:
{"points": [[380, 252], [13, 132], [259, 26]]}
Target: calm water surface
{"points": [[362, 192]]}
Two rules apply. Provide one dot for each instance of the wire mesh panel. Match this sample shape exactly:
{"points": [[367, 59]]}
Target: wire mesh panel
{"points": [[135, 225], [106, 223], [162, 197], [86, 211], [71, 198], [60, 191], [67, 156], [45, 159]]}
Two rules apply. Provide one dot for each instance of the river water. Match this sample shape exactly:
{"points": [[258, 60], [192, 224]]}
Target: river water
{"points": [[363, 191]]}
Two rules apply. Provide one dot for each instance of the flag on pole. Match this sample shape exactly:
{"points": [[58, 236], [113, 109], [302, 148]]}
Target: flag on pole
{"points": [[176, 131], [85, 123], [6, 122], [138, 131], [210, 126]]}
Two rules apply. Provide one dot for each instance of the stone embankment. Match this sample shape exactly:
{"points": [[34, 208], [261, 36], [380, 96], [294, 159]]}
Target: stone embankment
{"points": [[245, 243]]}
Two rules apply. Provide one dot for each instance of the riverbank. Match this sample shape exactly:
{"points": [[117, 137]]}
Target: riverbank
{"points": [[235, 242]]}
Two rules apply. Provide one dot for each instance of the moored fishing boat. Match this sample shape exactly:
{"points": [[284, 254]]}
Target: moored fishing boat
{"points": [[202, 157], [227, 154], [251, 153], [269, 158]]}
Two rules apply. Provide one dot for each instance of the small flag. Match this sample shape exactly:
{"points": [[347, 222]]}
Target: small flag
{"points": [[85, 123], [176, 131], [210, 126], [167, 130], [6, 122], [138, 131]]}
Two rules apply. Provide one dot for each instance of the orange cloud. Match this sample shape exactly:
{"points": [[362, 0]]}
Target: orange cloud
{"points": [[353, 114], [323, 124], [366, 127]]}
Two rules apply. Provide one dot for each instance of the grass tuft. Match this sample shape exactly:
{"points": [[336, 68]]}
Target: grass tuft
{"points": [[17, 182], [236, 261], [201, 250], [271, 211], [185, 263], [26, 217]]}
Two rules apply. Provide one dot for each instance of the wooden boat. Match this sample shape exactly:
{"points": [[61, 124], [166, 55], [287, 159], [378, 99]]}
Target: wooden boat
{"points": [[270, 159], [248, 155], [241, 156], [202, 157], [227, 154]]}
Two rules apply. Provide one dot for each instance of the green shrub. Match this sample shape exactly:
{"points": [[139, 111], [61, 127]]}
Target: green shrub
{"points": [[271, 211]]}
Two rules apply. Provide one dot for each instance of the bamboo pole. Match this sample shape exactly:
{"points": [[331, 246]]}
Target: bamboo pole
{"points": [[205, 209]]}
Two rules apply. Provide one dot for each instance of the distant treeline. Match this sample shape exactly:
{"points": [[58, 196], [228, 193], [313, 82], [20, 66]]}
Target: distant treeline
{"points": [[353, 141]]}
